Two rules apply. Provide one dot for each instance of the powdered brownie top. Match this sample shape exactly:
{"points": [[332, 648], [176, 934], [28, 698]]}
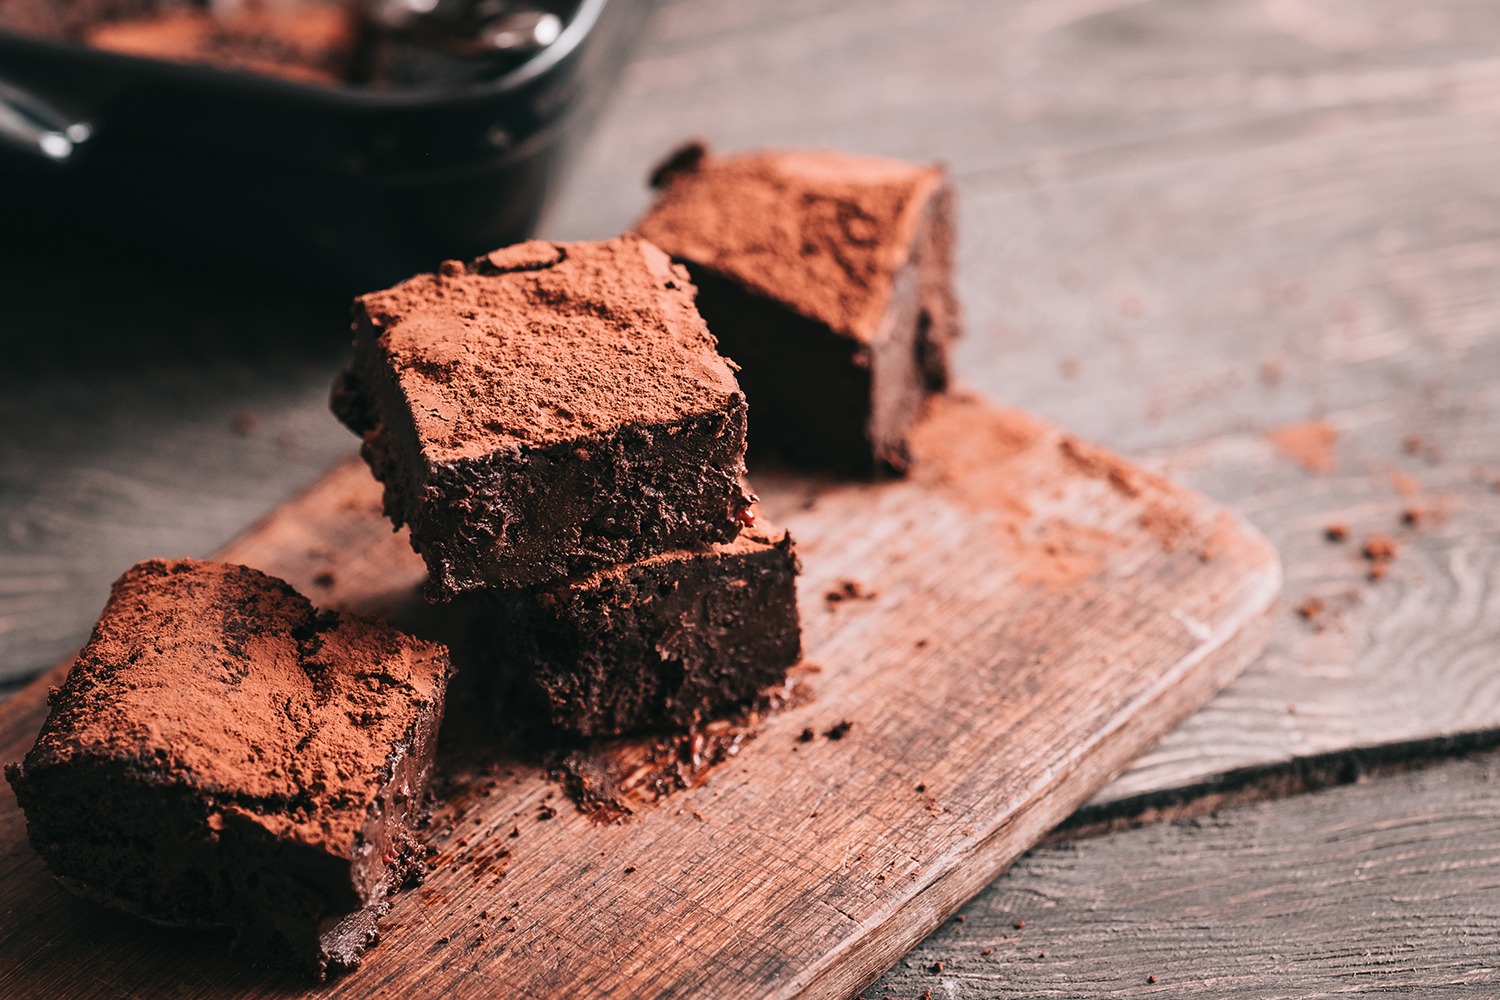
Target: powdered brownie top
{"points": [[226, 680], [823, 233], [541, 343]]}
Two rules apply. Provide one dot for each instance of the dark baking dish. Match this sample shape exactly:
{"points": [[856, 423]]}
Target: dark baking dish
{"points": [[343, 187]]}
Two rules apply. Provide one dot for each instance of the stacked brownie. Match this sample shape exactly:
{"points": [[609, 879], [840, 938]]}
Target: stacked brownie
{"points": [[223, 755], [556, 428]]}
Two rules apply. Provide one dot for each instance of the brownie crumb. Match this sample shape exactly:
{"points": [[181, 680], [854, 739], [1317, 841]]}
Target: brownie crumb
{"points": [[1019, 924], [960, 918], [935, 968], [849, 590], [1380, 551], [921, 788], [806, 736], [987, 951], [630, 870], [1380, 548], [839, 731], [1311, 610], [1151, 979], [545, 812], [1415, 444], [1336, 532], [683, 160], [1415, 517]]}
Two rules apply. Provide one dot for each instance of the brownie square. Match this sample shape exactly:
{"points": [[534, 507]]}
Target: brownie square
{"points": [[656, 643], [546, 410], [223, 755], [306, 42], [827, 278]]}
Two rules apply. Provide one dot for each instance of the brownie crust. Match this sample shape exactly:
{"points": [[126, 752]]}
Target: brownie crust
{"points": [[223, 755], [827, 278], [655, 644], [546, 410]]}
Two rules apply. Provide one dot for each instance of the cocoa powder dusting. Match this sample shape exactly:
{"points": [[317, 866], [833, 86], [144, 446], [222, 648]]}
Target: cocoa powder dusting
{"points": [[823, 233], [194, 662], [1310, 445], [541, 343]]}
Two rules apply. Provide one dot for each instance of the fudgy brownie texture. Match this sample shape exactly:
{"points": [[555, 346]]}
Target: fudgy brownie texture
{"points": [[306, 42], [827, 279], [656, 643], [545, 411], [223, 755]]}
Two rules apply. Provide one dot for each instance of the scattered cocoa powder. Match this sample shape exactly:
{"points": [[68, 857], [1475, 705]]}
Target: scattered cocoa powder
{"points": [[607, 778], [1403, 483], [1310, 445], [1100, 464]]}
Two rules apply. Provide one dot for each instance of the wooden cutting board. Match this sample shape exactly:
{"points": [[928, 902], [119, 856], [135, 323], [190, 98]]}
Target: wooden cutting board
{"points": [[1003, 632]]}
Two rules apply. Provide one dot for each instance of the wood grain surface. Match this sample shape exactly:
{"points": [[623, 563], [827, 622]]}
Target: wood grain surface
{"points": [[1035, 612], [1183, 225], [1390, 886]]}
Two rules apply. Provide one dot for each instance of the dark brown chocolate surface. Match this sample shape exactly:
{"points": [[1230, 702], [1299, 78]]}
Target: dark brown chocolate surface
{"points": [[546, 410], [827, 278], [221, 754], [658, 643]]}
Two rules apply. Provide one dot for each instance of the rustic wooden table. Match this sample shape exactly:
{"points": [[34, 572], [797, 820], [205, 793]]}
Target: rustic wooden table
{"points": [[1252, 243]]}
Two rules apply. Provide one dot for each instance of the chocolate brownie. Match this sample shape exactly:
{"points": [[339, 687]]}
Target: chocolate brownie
{"points": [[545, 411], [305, 42], [655, 643], [223, 755], [827, 278]]}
